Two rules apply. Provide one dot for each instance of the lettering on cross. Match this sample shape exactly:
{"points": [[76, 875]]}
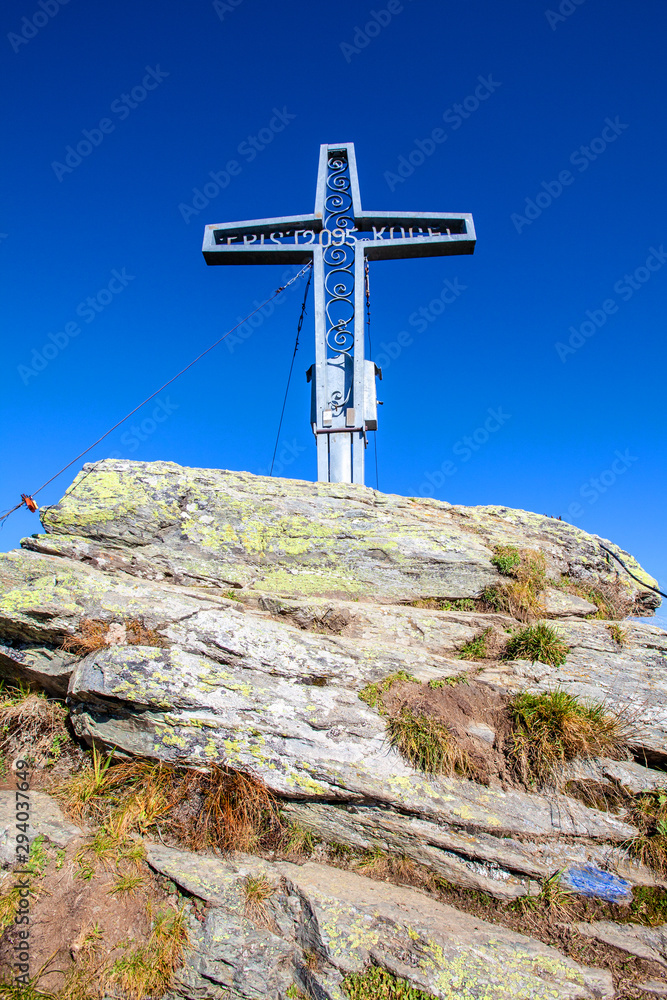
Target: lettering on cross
{"points": [[338, 238]]}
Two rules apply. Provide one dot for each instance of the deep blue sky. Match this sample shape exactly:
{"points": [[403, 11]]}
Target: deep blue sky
{"points": [[218, 75]]}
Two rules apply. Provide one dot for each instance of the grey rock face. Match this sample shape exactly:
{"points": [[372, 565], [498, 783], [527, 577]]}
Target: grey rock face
{"points": [[295, 538], [644, 942], [503, 866], [654, 987], [277, 601], [302, 740], [632, 677], [47, 668], [561, 605], [345, 921], [628, 775], [45, 819]]}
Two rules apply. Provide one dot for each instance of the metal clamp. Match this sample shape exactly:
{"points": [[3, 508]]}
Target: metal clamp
{"points": [[337, 430]]}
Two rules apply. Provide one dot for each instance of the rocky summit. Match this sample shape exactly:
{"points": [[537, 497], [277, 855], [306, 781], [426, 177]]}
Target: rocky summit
{"points": [[293, 631]]}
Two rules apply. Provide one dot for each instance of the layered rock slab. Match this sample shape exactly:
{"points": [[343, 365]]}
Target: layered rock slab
{"points": [[503, 866], [290, 537], [631, 677], [346, 922], [649, 943], [304, 741]]}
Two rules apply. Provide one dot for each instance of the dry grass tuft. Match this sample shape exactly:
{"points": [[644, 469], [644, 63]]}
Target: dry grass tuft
{"points": [[256, 891], [427, 744], [650, 815], [553, 899], [216, 809], [617, 634], [94, 633], [82, 982], [520, 597], [31, 726], [237, 812], [386, 867], [296, 840], [551, 729], [609, 596], [148, 971], [127, 884]]}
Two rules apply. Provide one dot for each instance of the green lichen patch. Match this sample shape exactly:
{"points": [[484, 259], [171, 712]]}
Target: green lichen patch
{"points": [[378, 984], [302, 583]]}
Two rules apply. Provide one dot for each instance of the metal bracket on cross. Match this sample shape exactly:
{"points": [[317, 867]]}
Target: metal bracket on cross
{"points": [[338, 238]]}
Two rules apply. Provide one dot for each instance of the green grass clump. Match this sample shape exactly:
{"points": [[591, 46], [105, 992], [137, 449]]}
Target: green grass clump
{"points": [[35, 866], [459, 604], [378, 984], [617, 634], [426, 743], [552, 898], [294, 993], [505, 558], [452, 681], [372, 693], [436, 604], [537, 642], [149, 969], [298, 840], [11, 990], [520, 596], [476, 648], [494, 599], [650, 815], [551, 729], [649, 905]]}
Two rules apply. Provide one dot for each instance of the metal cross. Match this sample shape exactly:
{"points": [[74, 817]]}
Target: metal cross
{"points": [[339, 238]]}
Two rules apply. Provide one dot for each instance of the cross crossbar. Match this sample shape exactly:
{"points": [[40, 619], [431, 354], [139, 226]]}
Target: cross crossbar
{"points": [[338, 237]]}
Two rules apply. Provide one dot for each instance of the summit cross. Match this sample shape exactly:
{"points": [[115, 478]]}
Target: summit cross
{"points": [[338, 238]]}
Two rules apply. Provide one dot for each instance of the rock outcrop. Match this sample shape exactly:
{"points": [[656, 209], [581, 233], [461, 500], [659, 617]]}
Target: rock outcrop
{"points": [[320, 924], [269, 606], [45, 819]]}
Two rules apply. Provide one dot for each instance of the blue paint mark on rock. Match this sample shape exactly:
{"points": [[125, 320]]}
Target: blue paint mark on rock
{"points": [[599, 884]]}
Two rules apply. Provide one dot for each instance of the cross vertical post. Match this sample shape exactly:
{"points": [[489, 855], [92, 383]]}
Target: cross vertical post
{"points": [[338, 238]]}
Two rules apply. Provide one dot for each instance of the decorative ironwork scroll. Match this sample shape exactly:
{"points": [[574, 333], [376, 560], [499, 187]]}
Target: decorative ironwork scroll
{"points": [[339, 256]]}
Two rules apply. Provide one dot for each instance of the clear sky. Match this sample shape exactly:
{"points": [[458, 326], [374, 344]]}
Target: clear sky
{"points": [[530, 375]]}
